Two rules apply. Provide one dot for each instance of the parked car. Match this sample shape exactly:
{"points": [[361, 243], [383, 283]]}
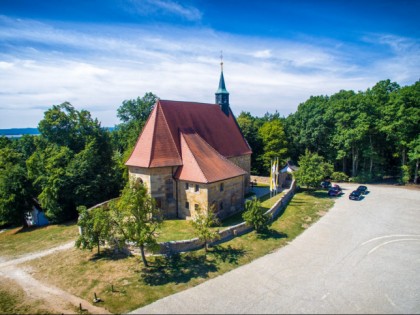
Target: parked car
{"points": [[362, 189], [355, 195], [326, 184], [334, 191]]}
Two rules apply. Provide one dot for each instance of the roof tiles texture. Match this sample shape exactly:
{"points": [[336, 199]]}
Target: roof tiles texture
{"points": [[202, 125]]}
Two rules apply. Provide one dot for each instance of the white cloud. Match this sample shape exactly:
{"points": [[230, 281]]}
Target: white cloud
{"points": [[96, 70], [168, 7]]}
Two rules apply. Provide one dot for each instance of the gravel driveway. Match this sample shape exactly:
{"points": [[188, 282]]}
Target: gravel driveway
{"points": [[361, 257]]}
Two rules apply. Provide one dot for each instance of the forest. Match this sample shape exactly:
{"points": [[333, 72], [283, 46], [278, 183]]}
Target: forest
{"points": [[366, 135]]}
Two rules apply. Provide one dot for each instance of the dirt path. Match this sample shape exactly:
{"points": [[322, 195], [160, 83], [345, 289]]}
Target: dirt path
{"points": [[58, 300]]}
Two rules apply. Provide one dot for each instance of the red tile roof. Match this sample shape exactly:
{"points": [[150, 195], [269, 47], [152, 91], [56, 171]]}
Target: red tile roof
{"points": [[160, 142], [202, 163]]}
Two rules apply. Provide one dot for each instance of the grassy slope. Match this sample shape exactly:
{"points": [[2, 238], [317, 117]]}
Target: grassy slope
{"points": [[19, 241], [82, 273]]}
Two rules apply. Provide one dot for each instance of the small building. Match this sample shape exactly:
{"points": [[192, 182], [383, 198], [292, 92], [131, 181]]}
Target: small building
{"points": [[285, 174], [193, 155], [36, 216]]}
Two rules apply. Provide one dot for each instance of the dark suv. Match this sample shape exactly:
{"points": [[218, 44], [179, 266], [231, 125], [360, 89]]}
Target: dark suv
{"points": [[363, 189], [334, 191], [355, 195]]}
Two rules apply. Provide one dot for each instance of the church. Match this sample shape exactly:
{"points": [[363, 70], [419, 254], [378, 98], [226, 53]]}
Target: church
{"points": [[193, 155]]}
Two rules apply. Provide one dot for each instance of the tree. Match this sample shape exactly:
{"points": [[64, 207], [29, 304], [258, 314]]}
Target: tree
{"points": [[136, 217], [202, 223], [414, 157], [255, 215], [312, 170], [274, 141], [15, 189], [96, 227]]}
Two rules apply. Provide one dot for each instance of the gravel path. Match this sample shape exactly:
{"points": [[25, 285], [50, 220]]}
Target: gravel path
{"points": [[57, 300], [361, 257]]}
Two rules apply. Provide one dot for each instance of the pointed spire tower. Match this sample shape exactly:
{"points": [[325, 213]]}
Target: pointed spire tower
{"points": [[222, 95]]}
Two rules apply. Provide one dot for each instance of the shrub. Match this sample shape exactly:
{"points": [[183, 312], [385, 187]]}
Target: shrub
{"points": [[339, 177]]}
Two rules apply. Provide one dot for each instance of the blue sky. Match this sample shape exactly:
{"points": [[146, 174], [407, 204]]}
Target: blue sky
{"points": [[97, 53]]}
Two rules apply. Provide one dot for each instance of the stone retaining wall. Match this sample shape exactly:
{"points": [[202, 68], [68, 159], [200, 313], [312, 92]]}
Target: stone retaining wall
{"points": [[173, 247]]}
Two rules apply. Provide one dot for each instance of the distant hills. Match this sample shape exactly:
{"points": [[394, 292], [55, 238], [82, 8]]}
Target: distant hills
{"points": [[18, 132]]}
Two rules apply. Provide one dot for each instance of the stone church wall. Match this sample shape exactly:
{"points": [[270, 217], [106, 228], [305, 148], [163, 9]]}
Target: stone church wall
{"points": [[244, 162]]}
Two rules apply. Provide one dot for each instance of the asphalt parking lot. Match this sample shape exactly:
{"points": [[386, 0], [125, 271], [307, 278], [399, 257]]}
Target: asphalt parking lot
{"points": [[361, 257]]}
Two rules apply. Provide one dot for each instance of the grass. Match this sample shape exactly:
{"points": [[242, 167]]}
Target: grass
{"points": [[82, 273], [19, 241]]}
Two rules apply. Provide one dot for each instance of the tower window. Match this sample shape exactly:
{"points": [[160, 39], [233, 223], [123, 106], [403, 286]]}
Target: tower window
{"points": [[221, 205], [197, 188], [187, 205], [187, 186], [222, 187]]}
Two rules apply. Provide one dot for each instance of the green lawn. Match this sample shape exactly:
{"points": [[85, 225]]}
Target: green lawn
{"points": [[82, 272], [19, 241]]}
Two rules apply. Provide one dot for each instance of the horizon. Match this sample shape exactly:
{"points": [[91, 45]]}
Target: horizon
{"points": [[276, 54]]}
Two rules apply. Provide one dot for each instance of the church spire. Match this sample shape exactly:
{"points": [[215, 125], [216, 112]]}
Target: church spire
{"points": [[222, 95]]}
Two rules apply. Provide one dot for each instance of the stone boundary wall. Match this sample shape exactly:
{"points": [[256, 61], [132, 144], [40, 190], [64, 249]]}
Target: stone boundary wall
{"points": [[173, 247], [261, 179]]}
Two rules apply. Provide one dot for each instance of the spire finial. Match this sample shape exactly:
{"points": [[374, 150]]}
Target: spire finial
{"points": [[221, 59]]}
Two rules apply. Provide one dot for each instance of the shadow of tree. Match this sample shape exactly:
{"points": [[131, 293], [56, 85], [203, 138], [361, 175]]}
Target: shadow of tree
{"points": [[176, 269], [109, 254], [318, 194], [227, 254], [270, 233]]}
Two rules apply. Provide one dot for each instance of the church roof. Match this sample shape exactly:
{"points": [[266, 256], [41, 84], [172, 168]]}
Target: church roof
{"points": [[202, 163], [159, 143]]}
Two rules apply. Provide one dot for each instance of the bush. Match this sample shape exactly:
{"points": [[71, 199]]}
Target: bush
{"points": [[254, 215], [339, 177]]}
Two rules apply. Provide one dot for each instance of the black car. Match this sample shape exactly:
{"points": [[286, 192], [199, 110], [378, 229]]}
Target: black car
{"points": [[362, 189], [355, 195], [334, 191]]}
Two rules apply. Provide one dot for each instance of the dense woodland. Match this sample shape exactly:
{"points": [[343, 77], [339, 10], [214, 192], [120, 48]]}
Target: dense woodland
{"points": [[76, 162]]}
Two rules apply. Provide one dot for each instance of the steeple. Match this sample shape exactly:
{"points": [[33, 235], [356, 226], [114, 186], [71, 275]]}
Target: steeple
{"points": [[222, 95]]}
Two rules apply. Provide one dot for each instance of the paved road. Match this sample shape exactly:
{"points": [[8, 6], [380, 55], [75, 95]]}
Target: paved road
{"points": [[361, 257]]}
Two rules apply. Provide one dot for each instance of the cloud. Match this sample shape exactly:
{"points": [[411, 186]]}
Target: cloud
{"points": [[164, 7], [96, 67]]}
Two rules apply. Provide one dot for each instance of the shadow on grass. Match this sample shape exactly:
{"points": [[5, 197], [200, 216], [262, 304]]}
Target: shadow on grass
{"points": [[227, 254], [177, 269], [181, 268], [109, 254], [271, 234], [25, 229], [318, 193]]}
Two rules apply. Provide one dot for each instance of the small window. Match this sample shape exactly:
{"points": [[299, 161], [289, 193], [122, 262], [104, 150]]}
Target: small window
{"points": [[187, 186], [197, 188], [221, 205], [196, 207], [187, 205], [222, 187]]}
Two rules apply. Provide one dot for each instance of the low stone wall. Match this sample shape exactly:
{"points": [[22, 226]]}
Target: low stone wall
{"points": [[173, 247], [261, 179]]}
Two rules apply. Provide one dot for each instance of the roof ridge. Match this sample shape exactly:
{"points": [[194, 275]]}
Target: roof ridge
{"points": [[141, 133], [169, 130], [217, 153], [195, 159], [153, 134]]}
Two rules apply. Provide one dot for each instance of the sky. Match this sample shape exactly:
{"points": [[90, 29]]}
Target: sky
{"points": [[276, 54]]}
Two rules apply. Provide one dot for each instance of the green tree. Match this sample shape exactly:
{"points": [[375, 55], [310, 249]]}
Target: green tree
{"points": [[202, 222], [414, 157], [95, 226], [274, 142], [136, 217], [312, 170], [254, 215], [15, 189]]}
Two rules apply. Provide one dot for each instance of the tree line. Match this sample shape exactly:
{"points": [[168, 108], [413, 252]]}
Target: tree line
{"points": [[365, 135], [77, 162]]}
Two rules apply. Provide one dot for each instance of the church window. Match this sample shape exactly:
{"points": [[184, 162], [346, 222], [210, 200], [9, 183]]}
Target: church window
{"points": [[187, 186], [187, 205], [222, 187], [197, 188]]}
